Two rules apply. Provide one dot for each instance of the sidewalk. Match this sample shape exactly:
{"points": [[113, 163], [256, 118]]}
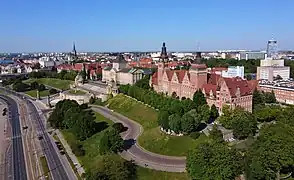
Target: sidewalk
{"points": [[72, 156]]}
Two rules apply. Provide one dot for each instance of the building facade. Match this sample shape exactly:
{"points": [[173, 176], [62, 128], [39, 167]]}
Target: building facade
{"points": [[121, 74], [283, 90], [270, 69], [233, 71], [232, 92], [218, 90]]}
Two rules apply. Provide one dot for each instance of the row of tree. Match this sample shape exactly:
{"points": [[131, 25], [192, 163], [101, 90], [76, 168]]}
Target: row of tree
{"points": [[178, 115], [65, 75]]}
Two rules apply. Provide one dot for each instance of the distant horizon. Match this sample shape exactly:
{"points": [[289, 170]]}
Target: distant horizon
{"points": [[119, 26]]}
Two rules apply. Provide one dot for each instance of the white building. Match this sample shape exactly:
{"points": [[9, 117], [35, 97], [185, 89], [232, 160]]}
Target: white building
{"points": [[119, 73], [271, 68], [233, 71]]}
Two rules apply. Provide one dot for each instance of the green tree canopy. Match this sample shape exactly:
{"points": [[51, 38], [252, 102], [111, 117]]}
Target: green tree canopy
{"points": [[213, 112], [244, 124], [214, 161], [175, 123], [188, 123], [111, 141], [112, 167], [163, 119], [199, 98], [216, 134], [271, 153]]}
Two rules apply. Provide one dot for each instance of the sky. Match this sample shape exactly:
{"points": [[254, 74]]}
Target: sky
{"points": [[142, 25]]}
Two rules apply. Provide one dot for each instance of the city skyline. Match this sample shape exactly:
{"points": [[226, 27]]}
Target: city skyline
{"points": [[115, 26]]}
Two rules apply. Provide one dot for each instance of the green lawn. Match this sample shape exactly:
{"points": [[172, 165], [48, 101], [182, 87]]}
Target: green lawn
{"points": [[152, 138], [56, 83], [147, 174], [91, 147], [33, 93], [76, 92], [45, 167]]}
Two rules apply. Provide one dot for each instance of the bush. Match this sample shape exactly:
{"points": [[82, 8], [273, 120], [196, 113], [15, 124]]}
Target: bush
{"points": [[92, 100], [77, 149], [119, 127], [194, 135], [53, 91], [41, 87], [34, 85]]}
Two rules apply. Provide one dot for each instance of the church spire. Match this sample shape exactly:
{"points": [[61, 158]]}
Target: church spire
{"points": [[73, 53], [163, 52]]}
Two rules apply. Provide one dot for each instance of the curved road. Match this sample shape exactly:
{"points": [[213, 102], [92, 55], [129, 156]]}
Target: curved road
{"points": [[141, 156]]}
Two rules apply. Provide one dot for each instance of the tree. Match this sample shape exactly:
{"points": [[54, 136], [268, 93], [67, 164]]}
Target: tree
{"points": [[270, 97], [20, 87], [213, 161], [188, 123], [187, 105], [216, 134], [257, 98], [271, 153], [56, 119], [196, 117], [199, 98], [70, 116], [34, 85], [163, 119], [53, 91], [111, 141], [204, 113], [176, 107], [112, 167], [175, 123], [84, 126], [244, 124], [41, 87], [144, 82], [119, 127], [213, 112]]}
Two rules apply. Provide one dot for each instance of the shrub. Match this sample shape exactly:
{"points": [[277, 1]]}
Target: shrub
{"points": [[119, 127], [77, 149], [41, 87], [53, 91]]}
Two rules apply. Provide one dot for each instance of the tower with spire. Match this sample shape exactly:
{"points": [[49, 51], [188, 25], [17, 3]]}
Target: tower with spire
{"points": [[74, 52], [163, 55]]}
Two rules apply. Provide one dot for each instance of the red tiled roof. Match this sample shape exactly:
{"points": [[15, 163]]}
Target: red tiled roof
{"points": [[234, 83], [196, 66], [209, 87], [169, 74], [253, 84], [181, 74], [213, 78], [155, 78]]}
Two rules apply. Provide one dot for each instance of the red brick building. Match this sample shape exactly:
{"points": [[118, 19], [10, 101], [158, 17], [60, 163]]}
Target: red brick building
{"points": [[284, 90], [217, 90]]}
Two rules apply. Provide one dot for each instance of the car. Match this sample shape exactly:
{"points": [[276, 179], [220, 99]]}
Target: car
{"points": [[40, 137], [25, 127]]}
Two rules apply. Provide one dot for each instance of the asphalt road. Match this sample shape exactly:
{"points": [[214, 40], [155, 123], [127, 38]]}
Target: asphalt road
{"points": [[19, 165], [141, 156], [56, 167]]}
